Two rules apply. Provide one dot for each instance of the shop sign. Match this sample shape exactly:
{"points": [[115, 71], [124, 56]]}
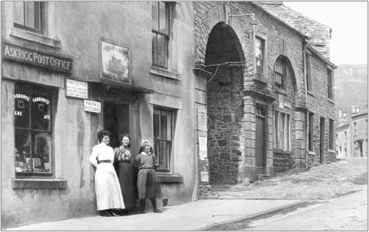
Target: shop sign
{"points": [[24, 55], [92, 106], [115, 61], [77, 89], [202, 117]]}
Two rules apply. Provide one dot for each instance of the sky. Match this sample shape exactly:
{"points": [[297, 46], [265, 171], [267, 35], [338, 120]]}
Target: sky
{"points": [[348, 21]]}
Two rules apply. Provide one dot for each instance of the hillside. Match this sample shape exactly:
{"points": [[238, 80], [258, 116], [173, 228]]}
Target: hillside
{"points": [[351, 86]]}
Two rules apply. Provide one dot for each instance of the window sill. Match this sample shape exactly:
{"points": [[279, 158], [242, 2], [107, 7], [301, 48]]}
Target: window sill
{"points": [[34, 37], [261, 80], [164, 73], [312, 153], [39, 183], [311, 94], [331, 101], [170, 178], [281, 91]]}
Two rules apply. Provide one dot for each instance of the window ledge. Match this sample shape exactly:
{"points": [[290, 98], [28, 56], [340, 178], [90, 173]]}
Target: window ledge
{"points": [[170, 178], [39, 183], [331, 101], [281, 91], [310, 93], [262, 80], [34, 37], [312, 153], [164, 73]]}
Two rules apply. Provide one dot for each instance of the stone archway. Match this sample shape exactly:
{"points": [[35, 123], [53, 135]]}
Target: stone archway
{"points": [[224, 58]]}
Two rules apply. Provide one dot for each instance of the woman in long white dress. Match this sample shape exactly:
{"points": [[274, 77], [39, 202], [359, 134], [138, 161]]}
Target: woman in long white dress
{"points": [[108, 193]]}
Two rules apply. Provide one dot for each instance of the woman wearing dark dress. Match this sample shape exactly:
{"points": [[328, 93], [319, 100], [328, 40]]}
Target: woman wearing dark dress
{"points": [[123, 165], [147, 180]]}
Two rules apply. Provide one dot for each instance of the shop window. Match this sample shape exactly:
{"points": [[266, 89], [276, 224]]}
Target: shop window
{"points": [[280, 72], [308, 71], [30, 16], [331, 133], [259, 57], [330, 83], [163, 129], [160, 33], [33, 130], [311, 132], [282, 131]]}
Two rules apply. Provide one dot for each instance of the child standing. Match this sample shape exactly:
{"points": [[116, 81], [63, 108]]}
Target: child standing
{"points": [[147, 180]]}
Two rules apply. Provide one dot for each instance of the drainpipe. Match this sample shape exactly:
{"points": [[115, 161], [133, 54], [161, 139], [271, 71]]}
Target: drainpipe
{"points": [[307, 112]]}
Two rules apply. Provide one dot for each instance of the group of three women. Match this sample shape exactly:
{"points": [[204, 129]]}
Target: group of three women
{"points": [[120, 179]]}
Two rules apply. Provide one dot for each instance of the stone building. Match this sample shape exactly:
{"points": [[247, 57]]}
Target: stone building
{"points": [[70, 69], [269, 89], [352, 136]]}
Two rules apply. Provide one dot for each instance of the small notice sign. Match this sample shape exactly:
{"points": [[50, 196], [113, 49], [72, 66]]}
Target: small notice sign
{"points": [[205, 176], [202, 117], [203, 148], [92, 106], [76, 89]]}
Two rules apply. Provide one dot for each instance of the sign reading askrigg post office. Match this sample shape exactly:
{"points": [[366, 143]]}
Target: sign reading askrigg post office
{"points": [[40, 59]]}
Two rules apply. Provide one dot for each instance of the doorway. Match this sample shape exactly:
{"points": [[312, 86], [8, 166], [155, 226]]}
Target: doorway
{"points": [[260, 140], [116, 120]]}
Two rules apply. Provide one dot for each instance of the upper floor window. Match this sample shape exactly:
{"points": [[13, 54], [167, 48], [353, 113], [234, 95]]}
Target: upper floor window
{"points": [[259, 57], [280, 71], [163, 129], [308, 71], [33, 130], [30, 16], [160, 33], [330, 83]]}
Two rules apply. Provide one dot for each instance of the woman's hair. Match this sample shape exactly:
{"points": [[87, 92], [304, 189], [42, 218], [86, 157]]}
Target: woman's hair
{"points": [[102, 133], [122, 135]]}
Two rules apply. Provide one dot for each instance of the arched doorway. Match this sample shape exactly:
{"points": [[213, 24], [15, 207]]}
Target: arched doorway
{"points": [[224, 58]]}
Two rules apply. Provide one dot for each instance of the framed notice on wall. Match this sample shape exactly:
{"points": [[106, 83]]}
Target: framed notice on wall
{"points": [[115, 61]]}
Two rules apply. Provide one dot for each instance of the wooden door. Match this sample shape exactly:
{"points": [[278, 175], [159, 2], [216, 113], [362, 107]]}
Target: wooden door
{"points": [[260, 140]]}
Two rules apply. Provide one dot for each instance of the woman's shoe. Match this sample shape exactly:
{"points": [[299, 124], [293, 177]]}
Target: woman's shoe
{"points": [[157, 211]]}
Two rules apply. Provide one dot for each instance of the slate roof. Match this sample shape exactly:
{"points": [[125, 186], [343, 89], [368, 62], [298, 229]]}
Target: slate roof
{"points": [[318, 34]]}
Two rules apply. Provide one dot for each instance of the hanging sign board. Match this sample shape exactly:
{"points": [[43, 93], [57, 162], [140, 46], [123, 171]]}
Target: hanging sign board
{"points": [[76, 89], [92, 106]]}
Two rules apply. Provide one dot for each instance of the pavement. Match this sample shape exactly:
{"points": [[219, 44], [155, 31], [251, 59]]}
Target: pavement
{"points": [[197, 215]]}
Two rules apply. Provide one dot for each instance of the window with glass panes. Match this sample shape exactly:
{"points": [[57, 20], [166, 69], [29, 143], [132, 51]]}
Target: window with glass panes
{"points": [[30, 16], [280, 71], [308, 71], [259, 56], [282, 131], [160, 33], [33, 130], [330, 83], [311, 131], [163, 128], [331, 133]]}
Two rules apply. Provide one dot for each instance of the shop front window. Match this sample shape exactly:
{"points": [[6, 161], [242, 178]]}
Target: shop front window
{"points": [[33, 146]]}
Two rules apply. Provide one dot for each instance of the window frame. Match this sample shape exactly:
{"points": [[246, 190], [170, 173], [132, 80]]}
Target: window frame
{"points": [[282, 73], [331, 134], [284, 131], [158, 140], [36, 89], [39, 13], [308, 71], [167, 36], [330, 83]]}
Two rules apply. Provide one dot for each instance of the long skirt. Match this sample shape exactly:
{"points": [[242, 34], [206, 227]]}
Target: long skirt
{"points": [[108, 192], [148, 185], [127, 180]]}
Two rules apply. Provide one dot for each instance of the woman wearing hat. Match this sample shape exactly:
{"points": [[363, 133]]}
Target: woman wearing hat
{"points": [[147, 180]]}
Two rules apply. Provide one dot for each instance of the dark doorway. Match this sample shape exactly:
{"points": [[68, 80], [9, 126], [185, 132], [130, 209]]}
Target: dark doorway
{"points": [[260, 140], [322, 128], [116, 120]]}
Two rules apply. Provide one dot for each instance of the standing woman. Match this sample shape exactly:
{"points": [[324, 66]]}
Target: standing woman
{"points": [[147, 180], [108, 194], [123, 165]]}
